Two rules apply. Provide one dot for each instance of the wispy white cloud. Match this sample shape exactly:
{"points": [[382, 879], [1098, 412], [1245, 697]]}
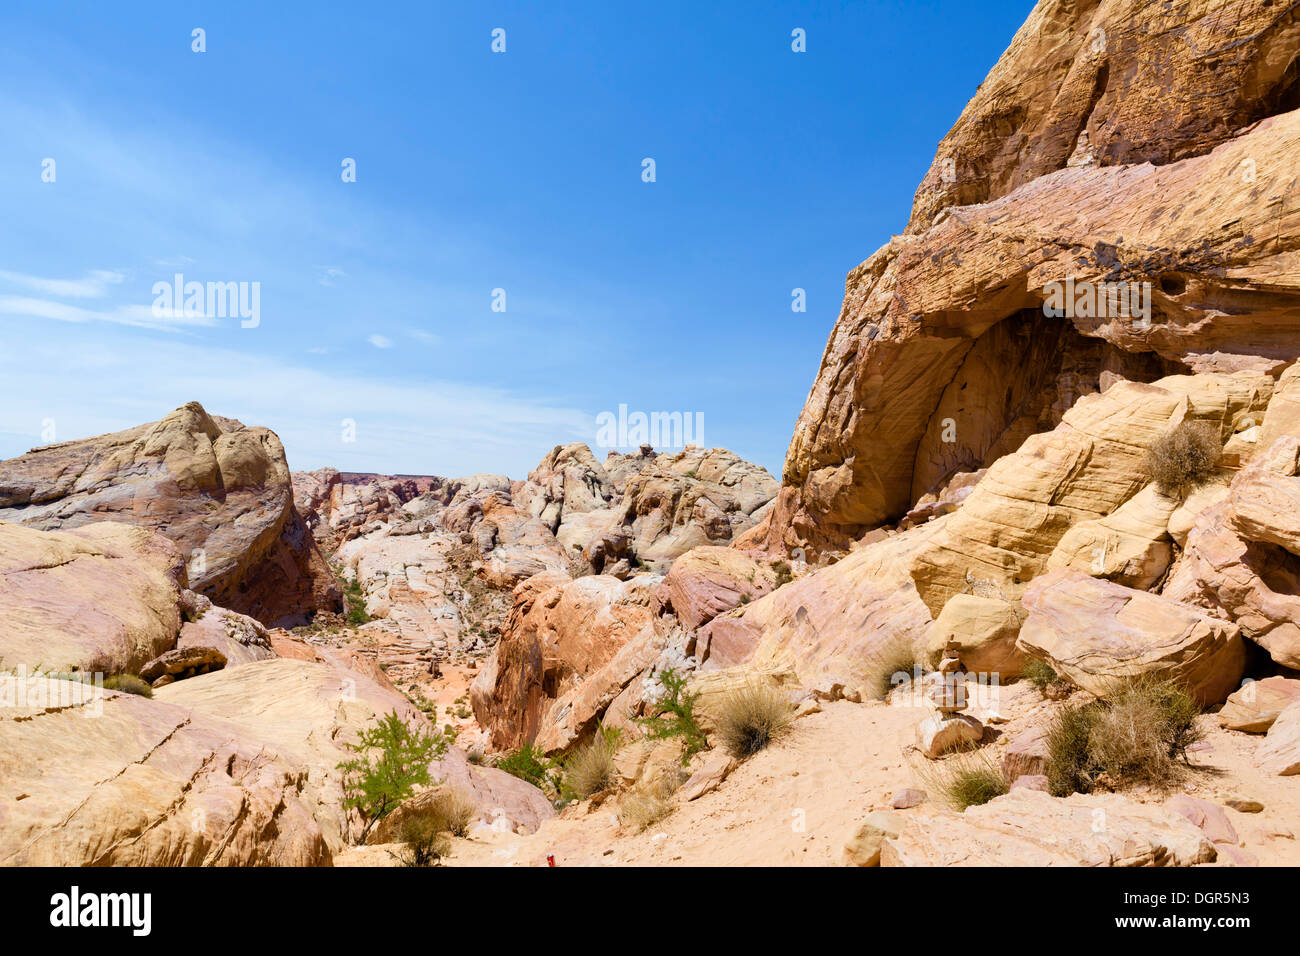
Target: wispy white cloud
{"points": [[329, 275], [415, 427], [380, 341], [422, 335], [139, 316], [95, 285]]}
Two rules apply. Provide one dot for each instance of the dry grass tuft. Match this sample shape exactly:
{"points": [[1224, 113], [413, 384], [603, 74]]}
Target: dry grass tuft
{"points": [[590, 769], [750, 718], [1137, 735], [964, 780]]}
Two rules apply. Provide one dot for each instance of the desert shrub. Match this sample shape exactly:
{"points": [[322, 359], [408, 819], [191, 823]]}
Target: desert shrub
{"points": [[590, 768], [965, 780], [455, 808], [893, 665], [751, 717], [674, 715], [529, 763], [1184, 457], [1040, 674], [476, 756], [1068, 761], [128, 684], [1137, 734], [392, 760], [650, 802], [1143, 733], [425, 842], [784, 575], [355, 599]]}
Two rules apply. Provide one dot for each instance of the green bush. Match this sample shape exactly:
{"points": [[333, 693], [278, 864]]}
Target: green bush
{"points": [[966, 780], [675, 715], [529, 763], [891, 666], [392, 760], [1040, 674]]}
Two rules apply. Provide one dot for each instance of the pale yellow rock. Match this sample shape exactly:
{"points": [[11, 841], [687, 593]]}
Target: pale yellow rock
{"points": [[863, 847], [1030, 828], [986, 629], [1130, 546], [1083, 470], [1096, 633], [117, 780]]}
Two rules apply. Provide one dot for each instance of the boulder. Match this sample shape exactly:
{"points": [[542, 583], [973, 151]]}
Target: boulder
{"points": [[941, 733], [1265, 498], [1130, 546], [986, 629], [1031, 828], [863, 847], [1258, 703], [1251, 583], [715, 769], [708, 580], [1094, 632], [104, 597], [117, 780], [220, 491], [559, 634], [182, 663], [1279, 753]]}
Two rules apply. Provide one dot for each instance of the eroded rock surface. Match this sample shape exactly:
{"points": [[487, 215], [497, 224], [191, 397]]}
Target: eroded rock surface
{"points": [[218, 490]]}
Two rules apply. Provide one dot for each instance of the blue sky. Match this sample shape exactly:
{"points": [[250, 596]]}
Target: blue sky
{"points": [[475, 171]]}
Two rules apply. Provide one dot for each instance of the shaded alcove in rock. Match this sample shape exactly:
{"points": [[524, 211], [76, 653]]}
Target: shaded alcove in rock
{"points": [[1017, 379]]}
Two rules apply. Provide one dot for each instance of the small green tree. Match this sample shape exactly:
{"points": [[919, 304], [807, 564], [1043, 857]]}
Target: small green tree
{"points": [[392, 760], [675, 715]]}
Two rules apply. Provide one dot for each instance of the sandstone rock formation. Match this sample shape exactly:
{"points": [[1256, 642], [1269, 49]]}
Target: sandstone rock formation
{"points": [[104, 597], [146, 783], [217, 489], [1238, 559], [1095, 632], [942, 358], [1256, 706], [1030, 828], [560, 634]]}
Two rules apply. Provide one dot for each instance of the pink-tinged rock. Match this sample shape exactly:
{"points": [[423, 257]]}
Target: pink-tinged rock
{"points": [[725, 642], [1211, 819], [1031, 828], [1254, 584], [1258, 703], [1030, 781], [1279, 752], [706, 581], [220, 491], [101, 598], [715, 769], [1096, 632], [907, 798], [560, 632], [1026, 753], [1265, 496]]}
